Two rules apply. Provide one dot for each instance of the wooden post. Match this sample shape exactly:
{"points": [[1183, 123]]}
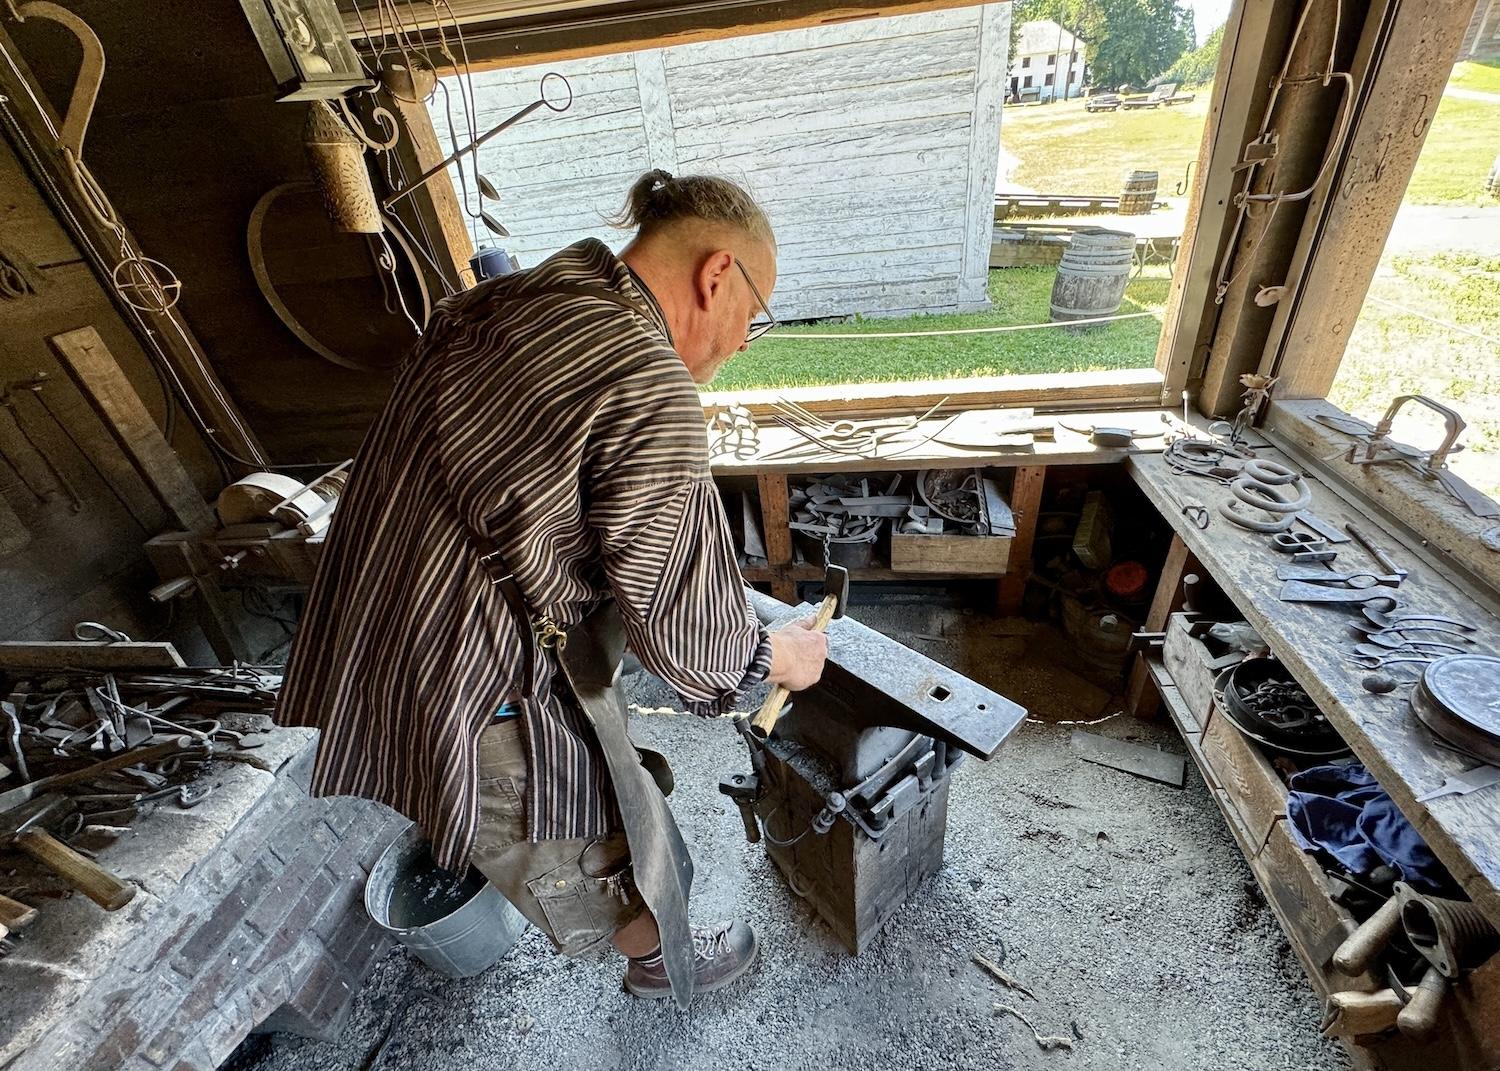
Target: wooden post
{"points": [[103, 383], [435, 204], [1141, 696], [774, 521], [1026, 504]]}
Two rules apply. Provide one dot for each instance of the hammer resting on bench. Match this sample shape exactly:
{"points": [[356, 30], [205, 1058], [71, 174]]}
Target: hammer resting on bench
{"points": [[22, 828], [835, 598]]}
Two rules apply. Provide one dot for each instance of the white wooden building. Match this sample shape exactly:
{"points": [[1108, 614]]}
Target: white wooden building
{"points": [[1049, 62], [872, 146]]}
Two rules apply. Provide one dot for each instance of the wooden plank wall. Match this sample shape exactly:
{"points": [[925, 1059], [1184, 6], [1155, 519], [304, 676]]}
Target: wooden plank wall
{"points": [[185, 139], [872, 145], [74, 513]]}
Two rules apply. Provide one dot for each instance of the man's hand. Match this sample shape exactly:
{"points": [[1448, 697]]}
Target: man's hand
{"points": [[797, 656]]}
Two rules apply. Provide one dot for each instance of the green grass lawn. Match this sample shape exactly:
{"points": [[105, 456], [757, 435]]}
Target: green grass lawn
{"points": [[1064, 149], [1020, 295], [1483, 75], [1460, 147], [1060, 148], [1393, 352]]}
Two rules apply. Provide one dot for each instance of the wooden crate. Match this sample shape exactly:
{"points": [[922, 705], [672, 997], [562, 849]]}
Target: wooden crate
{"points": [[1299, 894], [964, 554]]}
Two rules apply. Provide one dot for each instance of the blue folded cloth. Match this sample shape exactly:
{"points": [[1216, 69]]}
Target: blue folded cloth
{"points": [[1342, 811]]}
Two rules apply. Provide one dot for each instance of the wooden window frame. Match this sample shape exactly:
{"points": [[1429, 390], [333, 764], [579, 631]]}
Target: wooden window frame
{"points": [[1305, 341]]}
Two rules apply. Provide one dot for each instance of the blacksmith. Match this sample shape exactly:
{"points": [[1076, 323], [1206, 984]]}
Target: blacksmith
{"points": [[535, 497]]}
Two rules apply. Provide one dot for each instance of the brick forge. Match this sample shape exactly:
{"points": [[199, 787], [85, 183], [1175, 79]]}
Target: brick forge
{"points": [[250, 915]]}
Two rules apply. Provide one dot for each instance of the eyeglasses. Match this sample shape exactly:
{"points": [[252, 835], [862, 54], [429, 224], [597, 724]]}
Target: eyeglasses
{"points": [[757, 330]]}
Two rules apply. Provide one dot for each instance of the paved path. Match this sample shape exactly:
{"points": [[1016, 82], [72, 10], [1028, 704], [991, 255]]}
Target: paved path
{"points": [[1471, 94]]}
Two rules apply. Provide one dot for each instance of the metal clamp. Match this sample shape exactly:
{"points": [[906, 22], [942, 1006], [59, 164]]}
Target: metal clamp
{"points": [[1374, 450], [548, 634]]}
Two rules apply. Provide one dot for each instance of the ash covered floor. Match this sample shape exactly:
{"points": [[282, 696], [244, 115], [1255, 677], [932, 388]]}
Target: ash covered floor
{"points": [[1123, 905]]}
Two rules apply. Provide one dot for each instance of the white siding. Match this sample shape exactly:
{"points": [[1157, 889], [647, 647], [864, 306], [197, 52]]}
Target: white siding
{"points": [[872, 146]]}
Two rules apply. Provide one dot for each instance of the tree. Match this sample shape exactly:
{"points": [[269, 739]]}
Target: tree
{"points": [[1125, 40], [1198, 66]]}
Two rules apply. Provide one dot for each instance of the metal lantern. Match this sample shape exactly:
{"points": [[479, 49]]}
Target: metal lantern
{"points": [[305, 44]]}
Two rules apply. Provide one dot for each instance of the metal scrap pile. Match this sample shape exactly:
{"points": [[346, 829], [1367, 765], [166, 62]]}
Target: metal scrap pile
{"points": [[93, 751], [837, 519]]}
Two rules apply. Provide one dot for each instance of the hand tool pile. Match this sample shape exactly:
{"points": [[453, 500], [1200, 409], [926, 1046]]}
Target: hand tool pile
{"points": [[92, 750], [852, 438], [965, 498], [836, 520], [1272, 498], [1439, 938]]}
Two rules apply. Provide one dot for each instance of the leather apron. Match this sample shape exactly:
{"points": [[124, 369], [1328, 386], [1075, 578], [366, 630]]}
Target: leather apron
{"points": [[589, 655], [662, 869]]}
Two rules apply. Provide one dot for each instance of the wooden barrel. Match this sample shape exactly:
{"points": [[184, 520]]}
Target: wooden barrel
{"points": [[1092, 275], [1139, 194]]}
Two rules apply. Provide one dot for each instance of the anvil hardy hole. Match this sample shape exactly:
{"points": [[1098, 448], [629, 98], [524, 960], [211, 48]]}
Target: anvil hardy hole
{"points": [[983, 707], [940, 693]]}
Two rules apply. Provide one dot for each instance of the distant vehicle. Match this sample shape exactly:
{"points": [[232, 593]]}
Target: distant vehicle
{"points": [[1166, 93]]}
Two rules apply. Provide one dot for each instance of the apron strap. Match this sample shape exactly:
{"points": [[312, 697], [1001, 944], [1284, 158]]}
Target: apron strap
{"points": [[501, 576]]}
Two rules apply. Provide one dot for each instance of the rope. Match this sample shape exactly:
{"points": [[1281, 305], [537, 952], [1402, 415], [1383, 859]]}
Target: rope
{"points": [[774, 336]]}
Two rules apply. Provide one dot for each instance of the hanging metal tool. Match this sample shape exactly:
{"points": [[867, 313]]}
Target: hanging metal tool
{"points": [[505, 125]]}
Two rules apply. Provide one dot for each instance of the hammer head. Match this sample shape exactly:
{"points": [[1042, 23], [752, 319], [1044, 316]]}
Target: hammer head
{"points": [[836, 587], [30, 814]]}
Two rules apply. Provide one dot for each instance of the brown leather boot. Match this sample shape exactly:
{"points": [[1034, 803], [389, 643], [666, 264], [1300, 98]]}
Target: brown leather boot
{"points": [[722, 954]]}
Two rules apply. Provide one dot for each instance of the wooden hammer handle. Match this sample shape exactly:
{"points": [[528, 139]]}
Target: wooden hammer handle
{"points": [[765, 718], [14, 914], [1362, 947], [85, 875]]}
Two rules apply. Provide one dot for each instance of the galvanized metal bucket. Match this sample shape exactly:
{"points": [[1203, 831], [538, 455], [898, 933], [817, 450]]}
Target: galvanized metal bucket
{"points": [[459, 928]]}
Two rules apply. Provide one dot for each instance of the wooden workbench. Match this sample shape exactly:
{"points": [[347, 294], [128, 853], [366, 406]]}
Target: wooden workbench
{"points": [[1314, 641], [1029, 463]]}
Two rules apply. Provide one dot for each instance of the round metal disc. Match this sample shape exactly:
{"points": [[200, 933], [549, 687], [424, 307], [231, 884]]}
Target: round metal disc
{"points": [[1467, 687]]}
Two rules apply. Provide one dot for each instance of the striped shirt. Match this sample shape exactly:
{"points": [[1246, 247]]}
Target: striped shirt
{"points": [[567, 428]]}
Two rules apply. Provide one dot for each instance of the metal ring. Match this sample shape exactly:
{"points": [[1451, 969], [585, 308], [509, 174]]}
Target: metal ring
{"points": [[1270, 472], [566, 85], [1270, 497]]}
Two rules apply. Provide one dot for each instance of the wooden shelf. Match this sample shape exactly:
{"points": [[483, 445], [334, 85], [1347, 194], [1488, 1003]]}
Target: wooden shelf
{"points": [[1312, 641]]}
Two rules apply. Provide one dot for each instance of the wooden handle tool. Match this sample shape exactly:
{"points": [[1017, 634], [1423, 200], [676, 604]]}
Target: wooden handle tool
{"points": [[1360, 948], [1419, 1018], [85, 875], [835, 596], [15, 915]]}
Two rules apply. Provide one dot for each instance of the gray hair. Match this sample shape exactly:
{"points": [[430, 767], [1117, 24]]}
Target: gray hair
{"points": [[657, 199]]}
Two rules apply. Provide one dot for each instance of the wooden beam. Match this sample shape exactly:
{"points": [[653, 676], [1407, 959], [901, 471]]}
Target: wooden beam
{"points": [[508, 34], [1406, 66], [1303, 120], [436, 205], [101, 241], [1026, 505], [99, 377], [1141, 696], [1120, 388], [774, 519], [1249, 55]]}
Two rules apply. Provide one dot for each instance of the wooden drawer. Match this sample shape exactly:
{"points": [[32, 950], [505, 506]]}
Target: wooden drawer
{"points": [[979, 555], [1246, 776], [1188, 664], [1298, 892]]}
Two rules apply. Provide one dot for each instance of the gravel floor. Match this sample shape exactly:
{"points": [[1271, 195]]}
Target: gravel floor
{"points": [[1122, 904]]}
